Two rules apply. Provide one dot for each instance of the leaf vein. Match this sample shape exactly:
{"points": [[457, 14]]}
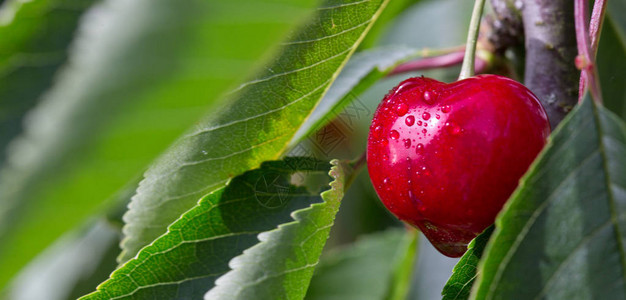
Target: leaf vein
{"points": [[327, 36], [227, 124], [342, 5], [277, 75]]}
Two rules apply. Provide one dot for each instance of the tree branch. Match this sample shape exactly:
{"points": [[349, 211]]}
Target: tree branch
{"points": [[506, 23], [550, 43]]}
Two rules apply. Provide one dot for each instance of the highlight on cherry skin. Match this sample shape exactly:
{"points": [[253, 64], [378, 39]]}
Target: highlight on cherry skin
{"points": [[446, 157]]}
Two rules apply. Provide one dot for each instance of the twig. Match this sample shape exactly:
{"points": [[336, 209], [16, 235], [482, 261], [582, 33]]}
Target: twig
{"points": [[595, 25], [441, 61], [585, 61]]}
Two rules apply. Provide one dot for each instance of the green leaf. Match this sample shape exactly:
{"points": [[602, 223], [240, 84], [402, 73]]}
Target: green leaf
{"points": [[281, 265], [611, 59], [260, 119], [562, 233], [140, 73], [361, 72], [460, 283], [34, 44], [366, 269], [184, 262]]}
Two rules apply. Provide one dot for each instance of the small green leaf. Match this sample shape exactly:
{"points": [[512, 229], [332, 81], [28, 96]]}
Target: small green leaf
{"points": [[260, 119], [366, 269], [281, 265], [562, 233], [184, 262], [460, 283]]}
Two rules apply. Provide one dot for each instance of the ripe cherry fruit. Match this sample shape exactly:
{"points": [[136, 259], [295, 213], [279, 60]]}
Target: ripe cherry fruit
{"points": [[446, 157]]}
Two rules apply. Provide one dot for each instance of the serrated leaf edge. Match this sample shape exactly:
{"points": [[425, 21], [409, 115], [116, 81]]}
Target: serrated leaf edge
{"points": [[337, 172]]}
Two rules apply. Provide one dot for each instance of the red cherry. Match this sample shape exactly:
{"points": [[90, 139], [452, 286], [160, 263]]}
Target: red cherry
{"points": [[452, 173]]}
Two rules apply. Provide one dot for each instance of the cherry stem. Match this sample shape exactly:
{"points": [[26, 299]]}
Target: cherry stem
{"points": [[586, 60], [359, 162], [440, 61], [356, 165], [467, 69]]}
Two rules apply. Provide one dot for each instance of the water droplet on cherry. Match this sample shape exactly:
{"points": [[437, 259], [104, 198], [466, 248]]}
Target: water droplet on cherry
{"points": [[425, 116], [378, 130], [407, 143], [446, 109], [409, 121], [453, 128], [419, 148], [429, 97], [387, 184], [403, 86], [402, 109], [394, 134]]}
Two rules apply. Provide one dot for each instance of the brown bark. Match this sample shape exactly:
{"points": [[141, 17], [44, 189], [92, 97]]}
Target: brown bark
{"points": [[550, 43]]}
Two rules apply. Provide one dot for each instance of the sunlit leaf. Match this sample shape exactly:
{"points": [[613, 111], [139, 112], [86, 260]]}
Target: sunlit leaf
{"points": [[259, 120]]}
